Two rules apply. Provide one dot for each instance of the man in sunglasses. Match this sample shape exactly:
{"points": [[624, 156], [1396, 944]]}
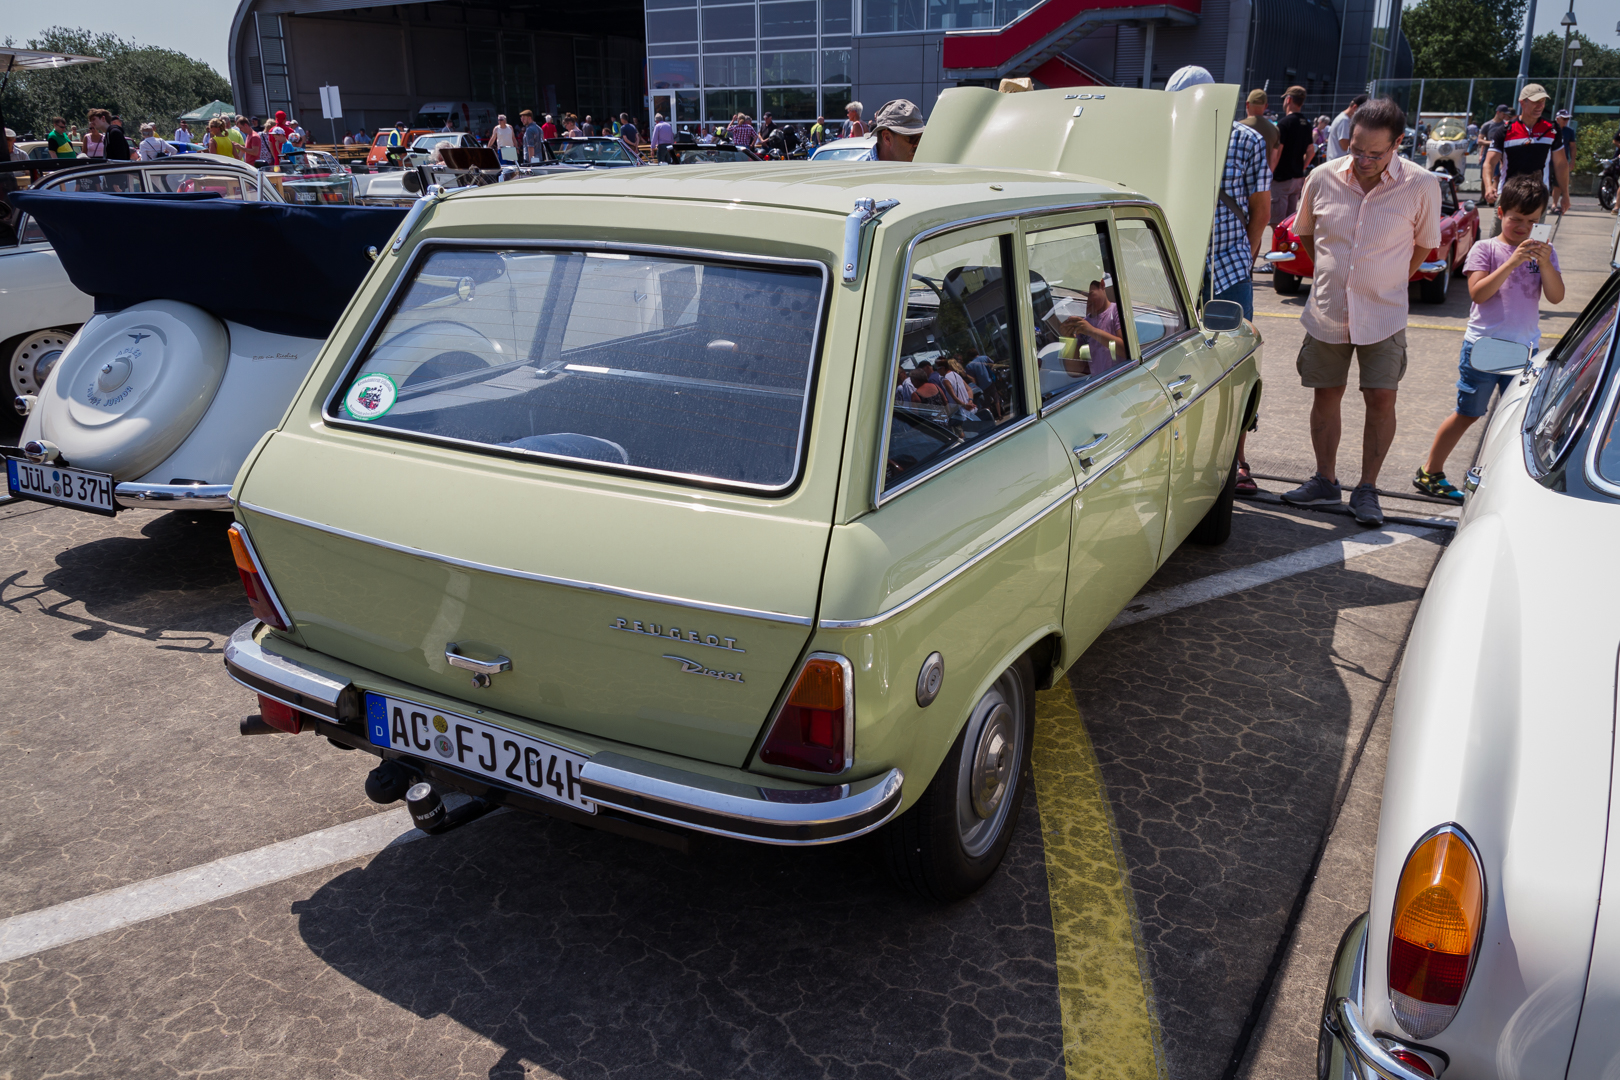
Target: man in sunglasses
{"points": [[899, 127]]}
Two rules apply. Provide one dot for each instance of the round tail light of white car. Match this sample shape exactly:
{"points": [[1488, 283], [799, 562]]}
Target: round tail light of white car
{"points": [[1435, 936]]}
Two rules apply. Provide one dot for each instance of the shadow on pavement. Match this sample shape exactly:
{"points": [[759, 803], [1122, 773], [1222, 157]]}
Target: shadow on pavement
{"points": [[1221, 731], [590, 955], [176, 576]]}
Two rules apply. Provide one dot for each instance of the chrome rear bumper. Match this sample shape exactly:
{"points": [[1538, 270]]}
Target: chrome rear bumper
{"points": [[1346, 1049], [735, 808], [173, 496]]}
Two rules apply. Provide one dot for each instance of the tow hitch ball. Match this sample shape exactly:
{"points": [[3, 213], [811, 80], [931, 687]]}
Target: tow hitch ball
{"points": [[394, 780]]}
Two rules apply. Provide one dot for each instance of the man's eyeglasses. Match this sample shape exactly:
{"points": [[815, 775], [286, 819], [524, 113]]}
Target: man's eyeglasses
{"points": [[1371, 159]]}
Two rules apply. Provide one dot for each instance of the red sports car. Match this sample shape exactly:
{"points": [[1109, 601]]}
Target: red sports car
{"points": [[1459, 231]]}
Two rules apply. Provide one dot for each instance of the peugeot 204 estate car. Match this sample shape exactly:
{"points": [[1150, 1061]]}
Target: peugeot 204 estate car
{"points": [[752, 501]]}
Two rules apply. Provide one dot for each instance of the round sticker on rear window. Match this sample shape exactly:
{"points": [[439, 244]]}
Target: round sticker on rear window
{"points": [[370, 396]]}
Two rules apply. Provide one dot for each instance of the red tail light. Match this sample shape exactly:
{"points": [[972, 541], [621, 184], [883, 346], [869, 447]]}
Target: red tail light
{"points": [[261, 598], [281, 716], [1439, 913], [1411, 1061], [815, 728]]}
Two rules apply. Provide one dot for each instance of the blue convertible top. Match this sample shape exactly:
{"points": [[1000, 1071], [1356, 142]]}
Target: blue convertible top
{"points": [[278, 268]]}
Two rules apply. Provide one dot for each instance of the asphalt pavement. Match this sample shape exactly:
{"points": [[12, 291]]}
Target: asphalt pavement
{"points": [[179, 900]]}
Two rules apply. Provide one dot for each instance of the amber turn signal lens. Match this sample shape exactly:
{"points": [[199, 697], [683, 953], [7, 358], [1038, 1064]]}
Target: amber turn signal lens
{"points": [[263, 602], [809, 732], [1439, 912]]}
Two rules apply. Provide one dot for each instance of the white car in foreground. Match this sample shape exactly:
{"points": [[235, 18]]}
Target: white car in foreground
{"points": [[845, 149], [1492, 946], [41, 308]]}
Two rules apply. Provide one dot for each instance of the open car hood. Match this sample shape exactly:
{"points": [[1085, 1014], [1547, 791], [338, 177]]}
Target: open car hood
{"points": [[1170, 147]]}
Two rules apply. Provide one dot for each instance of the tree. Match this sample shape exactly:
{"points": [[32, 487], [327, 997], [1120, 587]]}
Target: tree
{"points": [[1464, 39], [137, 82]]}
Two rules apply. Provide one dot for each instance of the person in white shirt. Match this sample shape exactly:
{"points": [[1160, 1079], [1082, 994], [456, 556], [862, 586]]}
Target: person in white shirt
{"points": [[503, 140], [182, 134], [153, 147], [1338, 140]]}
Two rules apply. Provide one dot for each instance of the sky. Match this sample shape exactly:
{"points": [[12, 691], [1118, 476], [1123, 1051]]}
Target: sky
{"points": [[199, 27]]}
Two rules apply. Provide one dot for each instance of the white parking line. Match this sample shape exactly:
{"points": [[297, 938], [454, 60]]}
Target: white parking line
{"points": [[1151, 605], [89, 916]]}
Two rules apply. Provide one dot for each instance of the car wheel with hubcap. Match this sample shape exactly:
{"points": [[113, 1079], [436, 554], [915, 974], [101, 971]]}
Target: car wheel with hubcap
{"points": [[33, 358], [950, 842]]}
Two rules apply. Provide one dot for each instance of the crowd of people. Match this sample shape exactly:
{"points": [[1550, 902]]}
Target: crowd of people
{"points": [[244, 138]]}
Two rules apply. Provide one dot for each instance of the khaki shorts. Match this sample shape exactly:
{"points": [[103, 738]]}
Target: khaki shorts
{"points": [[1323, 364]]}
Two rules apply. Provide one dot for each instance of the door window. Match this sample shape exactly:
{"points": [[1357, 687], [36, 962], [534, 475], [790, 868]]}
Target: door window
{"points": [[957, 380], [1079, 336], [1156, 308], [228, 186], [104, 182]]}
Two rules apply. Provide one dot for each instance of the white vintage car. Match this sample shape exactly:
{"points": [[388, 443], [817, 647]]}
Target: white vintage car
{"points": [[194, 349], [42, 309], [1492, 946]]}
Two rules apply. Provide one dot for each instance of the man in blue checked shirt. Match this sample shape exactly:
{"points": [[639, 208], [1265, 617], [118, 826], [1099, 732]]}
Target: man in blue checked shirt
{"points": [[1242, 212]]}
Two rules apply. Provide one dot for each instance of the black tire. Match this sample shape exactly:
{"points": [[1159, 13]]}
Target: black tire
{"points": [[1606, 191], [926, 848], [1216, 528], [1285, 284], [1434, 292]]}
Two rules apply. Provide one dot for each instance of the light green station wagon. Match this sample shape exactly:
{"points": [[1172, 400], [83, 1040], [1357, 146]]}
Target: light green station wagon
{"points": [[754, 500]]}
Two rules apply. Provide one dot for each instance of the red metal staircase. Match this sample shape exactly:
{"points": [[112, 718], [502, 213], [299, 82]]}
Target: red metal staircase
{"points": [[1034, 43]]}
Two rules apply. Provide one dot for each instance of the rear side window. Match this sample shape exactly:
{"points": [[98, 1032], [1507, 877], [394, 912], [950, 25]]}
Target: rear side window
{"points": [[229, 186], [104, 182], [648, 363]]}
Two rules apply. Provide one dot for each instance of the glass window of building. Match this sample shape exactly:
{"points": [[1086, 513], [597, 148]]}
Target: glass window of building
{"points": [[835, 67], [729, 70], [787, 68], [672, 72], [892, 16], [787, 20], [790, 104], [835, 18], [960, 14], [833, 100], [720, 106], [728, 23], [680, 25]]}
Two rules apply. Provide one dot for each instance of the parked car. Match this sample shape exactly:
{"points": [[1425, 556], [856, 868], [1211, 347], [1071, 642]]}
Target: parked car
{"points": [[690, 153], [594, 152], [384, 153], [1459, 232], [42, 308], [1492, 945], [604, 499], [308, 177], [1448, 146], [844, 149], [159, 396], [425, 150]]}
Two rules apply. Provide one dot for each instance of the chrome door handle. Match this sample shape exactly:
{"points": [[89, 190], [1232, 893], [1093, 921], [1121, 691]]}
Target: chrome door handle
{"points": [[1084, 452], [1175, 384], [481, 669]]}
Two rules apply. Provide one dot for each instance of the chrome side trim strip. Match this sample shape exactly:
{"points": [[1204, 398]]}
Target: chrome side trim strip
{"points": [[545, 579], [174, 496], [972, 561], [784, 816], [288, 681]]}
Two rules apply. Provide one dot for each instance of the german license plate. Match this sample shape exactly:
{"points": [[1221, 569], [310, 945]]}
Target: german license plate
{"points": [[65, 487], [495, 753]]}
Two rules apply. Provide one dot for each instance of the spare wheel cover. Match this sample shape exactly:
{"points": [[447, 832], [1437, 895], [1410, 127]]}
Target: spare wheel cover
{"points": [[129, 390]]}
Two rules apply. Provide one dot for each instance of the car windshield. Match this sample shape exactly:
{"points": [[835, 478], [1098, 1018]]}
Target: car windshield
{"points": [[428, 142], [672, 365], [589, 151], [1449, 128], [708, 155], [1561, 402], [841, 153]]}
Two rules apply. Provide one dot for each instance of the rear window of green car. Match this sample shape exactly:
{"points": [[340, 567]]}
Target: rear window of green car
{"points": [[665, 364]]}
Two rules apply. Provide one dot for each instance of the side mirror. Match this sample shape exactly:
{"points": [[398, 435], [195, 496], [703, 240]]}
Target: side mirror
{"points": [[1220, 317], [1494, 356], [1469, 205]]}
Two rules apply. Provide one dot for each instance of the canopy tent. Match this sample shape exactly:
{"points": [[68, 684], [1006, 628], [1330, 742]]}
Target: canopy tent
{"points": [[33, 60], [204, 113]]}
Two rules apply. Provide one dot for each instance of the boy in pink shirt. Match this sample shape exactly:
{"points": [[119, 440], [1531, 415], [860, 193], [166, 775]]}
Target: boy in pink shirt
{"points": [[1507, 277]]}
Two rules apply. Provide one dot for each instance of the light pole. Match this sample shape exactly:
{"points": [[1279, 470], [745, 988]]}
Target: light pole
{"points": [[1524, 57], [1568, 23], [1574, 47]]}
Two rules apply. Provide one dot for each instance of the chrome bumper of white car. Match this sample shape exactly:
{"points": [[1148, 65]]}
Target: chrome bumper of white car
{"points": [[733, 808], [1346, 1049], [173, 496]]}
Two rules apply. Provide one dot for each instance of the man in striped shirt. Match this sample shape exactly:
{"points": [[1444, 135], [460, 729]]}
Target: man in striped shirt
{"points": [[1366, 220], [1525, 144]]}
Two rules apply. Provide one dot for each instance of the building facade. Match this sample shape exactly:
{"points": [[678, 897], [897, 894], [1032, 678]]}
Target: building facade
{"points": [[703, 61]]}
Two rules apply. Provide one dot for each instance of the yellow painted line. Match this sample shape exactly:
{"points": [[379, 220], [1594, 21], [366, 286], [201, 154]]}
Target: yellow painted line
{"points": [[1414, 325], [1110, 1026]]}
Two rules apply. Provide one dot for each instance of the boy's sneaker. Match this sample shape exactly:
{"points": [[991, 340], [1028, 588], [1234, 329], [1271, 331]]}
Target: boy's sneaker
{"points": [[1317, 491], [1436, 484], [1364, 505]]}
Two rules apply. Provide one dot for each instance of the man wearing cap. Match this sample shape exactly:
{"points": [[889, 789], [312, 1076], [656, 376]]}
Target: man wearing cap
{"points": [[1489, 130], [1298, 147], [1256, 108], [1525, 146], [899, 127], [1566, 135]]}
